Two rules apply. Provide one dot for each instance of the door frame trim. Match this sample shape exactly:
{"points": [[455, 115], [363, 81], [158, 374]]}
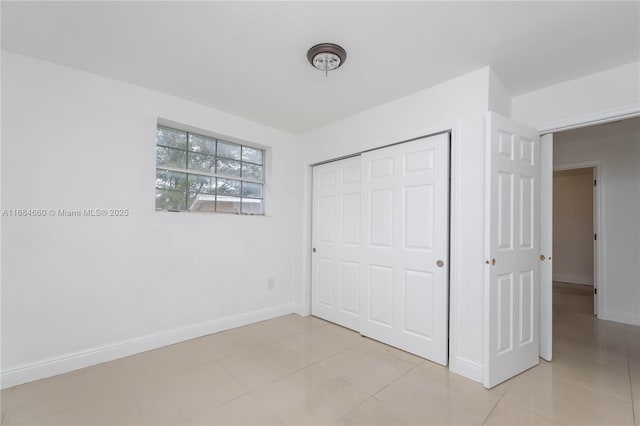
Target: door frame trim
{"points": [[546, 247], [598, 246], [593, 119]]}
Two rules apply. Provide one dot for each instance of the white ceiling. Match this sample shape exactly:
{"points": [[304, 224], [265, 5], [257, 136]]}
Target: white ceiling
{"points": [[249, 58]]}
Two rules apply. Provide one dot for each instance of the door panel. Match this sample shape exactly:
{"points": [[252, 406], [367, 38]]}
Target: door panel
{"points": [[405, 228], [335, 283], [418, 229], [512, 282], [350, 294], [380, 285], [418, 285]]}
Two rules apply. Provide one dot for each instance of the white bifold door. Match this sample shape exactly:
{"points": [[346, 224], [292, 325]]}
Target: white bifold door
{"points": [[385, 234], [513, 256]]}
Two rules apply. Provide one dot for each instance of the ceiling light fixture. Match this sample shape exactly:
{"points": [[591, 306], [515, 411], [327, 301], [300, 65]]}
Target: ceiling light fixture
{"points": [[326, 56]]}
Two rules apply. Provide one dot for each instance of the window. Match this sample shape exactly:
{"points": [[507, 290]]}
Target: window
{"points": [[199, 173]]}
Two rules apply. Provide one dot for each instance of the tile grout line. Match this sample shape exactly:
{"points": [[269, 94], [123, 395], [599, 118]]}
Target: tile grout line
{"points": [[250, 393], [357, 406], [373, 396], [633, 408], [136, 401], [312, 364], [398, 378], [393, 382], [316, 363], [279, 342], [218, 361], [247, 390], [498, 401]]}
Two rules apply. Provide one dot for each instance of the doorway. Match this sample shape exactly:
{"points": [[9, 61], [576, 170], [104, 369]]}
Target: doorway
{"points": [[574, 234], [611, 148]]}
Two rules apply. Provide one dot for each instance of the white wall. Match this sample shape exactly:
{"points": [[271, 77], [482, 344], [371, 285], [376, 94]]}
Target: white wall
{"points": [[459, 105], [100, 288], [499, 96], [617, 147], [573, 226], [610, 93]]}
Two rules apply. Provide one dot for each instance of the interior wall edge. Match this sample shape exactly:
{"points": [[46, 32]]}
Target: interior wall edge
{"points": [[74, 361], [298, 309]]}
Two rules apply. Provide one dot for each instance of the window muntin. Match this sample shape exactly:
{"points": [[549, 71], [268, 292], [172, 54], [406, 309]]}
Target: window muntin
{"points": [[199, 173]]}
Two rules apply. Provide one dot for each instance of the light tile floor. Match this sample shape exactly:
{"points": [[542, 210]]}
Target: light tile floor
{"points": [[293, 370]]}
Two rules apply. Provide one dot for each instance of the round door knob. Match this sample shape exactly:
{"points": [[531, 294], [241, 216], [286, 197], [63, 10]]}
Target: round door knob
{"points": [[440, 263], [542, 257], [314, 250], [493, 262]]}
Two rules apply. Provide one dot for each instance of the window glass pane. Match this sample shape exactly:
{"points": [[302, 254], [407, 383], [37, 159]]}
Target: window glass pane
{"points": [[252, 190], [203, 184], [228, 150], [171, 180], [171, 137], [167, 199], [202, 144], [251, 171], [228, 167], [251, 206], [228, 187], [251, 155], [206, 163], [202, 203], [199, 155], [228, 204], [171, 157]]}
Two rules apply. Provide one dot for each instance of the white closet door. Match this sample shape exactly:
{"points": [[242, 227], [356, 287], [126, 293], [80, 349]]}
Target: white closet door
{"points": [[512, 232], [405, 246], [336, 242]]}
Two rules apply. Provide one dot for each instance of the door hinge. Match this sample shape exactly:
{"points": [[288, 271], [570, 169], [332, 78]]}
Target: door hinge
{"points": [[595, 236], [595, 290], [595, 182]]}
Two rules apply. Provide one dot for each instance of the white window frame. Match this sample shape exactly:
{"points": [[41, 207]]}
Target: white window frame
{"points": [[187, 171]]}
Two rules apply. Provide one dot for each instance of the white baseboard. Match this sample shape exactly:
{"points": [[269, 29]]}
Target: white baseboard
{"points": [[572, 279], [74, 361], [300, 310], [467, 368], [623, 317]]}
